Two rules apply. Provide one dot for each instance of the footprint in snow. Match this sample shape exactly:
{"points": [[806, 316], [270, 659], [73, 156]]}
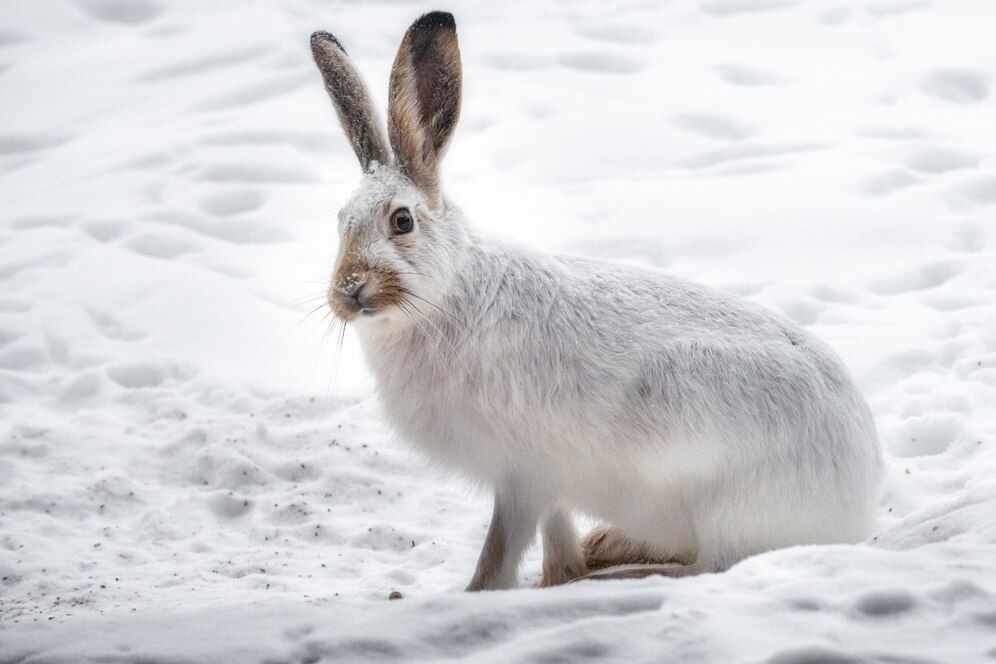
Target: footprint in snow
{"points": [[256, 92], [959, 86], [888, 182], [732, 7], [255, 174], [137, 375], [230, 203], [159, 245], [602, 63], [112, 328], [738, 152], [509, 61], [618, 33], [201, 65], [881, 603], [813, 655], [11, 37], [713, 126], [921, 278], [940, 160], [746, 76], [106, 230], [13, 144], [313, 142], [127, 12], [972, 195], [896, 7]]}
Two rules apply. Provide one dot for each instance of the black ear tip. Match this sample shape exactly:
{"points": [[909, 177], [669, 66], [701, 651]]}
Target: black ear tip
{"points": [[434, 20], [321, 37]]}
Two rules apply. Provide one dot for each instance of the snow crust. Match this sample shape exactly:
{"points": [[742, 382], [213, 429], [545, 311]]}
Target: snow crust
{"points": [[192, 470]]}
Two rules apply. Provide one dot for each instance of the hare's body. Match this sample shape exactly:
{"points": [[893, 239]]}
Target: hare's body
{"points": [[704, 428], [693, 421]]}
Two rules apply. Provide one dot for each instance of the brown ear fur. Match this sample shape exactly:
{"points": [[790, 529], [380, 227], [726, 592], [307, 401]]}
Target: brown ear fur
{"points": [[351, 99], [424, 99]]}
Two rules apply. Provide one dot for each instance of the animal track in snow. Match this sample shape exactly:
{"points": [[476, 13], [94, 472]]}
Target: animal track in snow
{"points": [[896, 7], [813, 655], [885, 603], [923, 277], [737, 152], [621, 33], [313, 142], [713, 126], [237, 231], [804, 311], [129, 12], [137, 374], [201, 65], [959, 86], [106, 230], [746, 76], [230, 203], [42, 221], [511, 61], [159, 245], [255, 174], [888, 182], [254, 93], [112, 328], [940, 160], [11, 37], [27, 143], [731, 7], [929, 434], [604, 63], [973, 194]]}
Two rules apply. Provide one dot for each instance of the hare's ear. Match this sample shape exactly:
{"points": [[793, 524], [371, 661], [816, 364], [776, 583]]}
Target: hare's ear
{"points": [[424, 99], [351, 99]]}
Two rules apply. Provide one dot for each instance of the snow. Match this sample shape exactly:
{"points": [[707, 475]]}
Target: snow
{"points": [[192, 469]]}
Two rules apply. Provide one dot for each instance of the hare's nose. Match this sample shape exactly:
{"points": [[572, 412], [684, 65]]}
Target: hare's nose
{"points": [[357, 293]]}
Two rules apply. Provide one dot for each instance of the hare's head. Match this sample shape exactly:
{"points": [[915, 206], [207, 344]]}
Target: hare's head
{"points": [[395, 236]]}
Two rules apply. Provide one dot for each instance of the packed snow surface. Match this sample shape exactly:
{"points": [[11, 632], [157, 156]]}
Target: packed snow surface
{"points": [[192, 471]]}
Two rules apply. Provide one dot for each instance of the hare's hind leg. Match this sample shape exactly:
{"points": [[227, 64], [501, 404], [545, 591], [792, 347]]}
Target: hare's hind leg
{"points": [[563, 560]]}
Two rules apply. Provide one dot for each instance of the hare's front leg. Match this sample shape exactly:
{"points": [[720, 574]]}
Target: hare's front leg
{"points": [[563, 559], [513, 527]]}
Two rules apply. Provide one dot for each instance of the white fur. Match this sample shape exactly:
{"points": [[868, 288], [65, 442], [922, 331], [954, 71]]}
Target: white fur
{"points": [[703, 427], [692, 420]]}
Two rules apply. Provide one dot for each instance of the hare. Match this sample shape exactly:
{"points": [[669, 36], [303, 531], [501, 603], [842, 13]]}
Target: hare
{"points": [[698, 427]]}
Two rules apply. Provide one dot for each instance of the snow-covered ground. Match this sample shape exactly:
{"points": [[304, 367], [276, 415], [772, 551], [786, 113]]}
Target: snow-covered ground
{"points": [[184, 476]]}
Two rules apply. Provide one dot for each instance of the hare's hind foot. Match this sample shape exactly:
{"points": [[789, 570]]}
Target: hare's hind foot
{"points": [[606, 546]]}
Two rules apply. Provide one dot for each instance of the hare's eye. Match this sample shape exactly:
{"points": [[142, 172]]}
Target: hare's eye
{"points": [[401, 221]]}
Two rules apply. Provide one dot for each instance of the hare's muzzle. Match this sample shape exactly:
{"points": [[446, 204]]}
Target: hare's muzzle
{"points": [[363, 293]]}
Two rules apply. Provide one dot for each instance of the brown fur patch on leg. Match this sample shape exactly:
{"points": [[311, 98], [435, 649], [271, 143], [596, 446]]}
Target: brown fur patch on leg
{"points": [[605, 547], [563, 560]]}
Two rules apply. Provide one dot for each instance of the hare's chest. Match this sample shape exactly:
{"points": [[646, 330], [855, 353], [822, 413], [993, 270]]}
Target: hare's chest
{"points": [[440, 410]]}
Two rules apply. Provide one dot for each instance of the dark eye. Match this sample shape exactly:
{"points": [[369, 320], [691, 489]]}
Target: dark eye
{"points": [[401, 221]]}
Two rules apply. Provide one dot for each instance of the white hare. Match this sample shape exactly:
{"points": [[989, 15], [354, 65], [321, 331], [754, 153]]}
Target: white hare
{"points": [[702, 427]]}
